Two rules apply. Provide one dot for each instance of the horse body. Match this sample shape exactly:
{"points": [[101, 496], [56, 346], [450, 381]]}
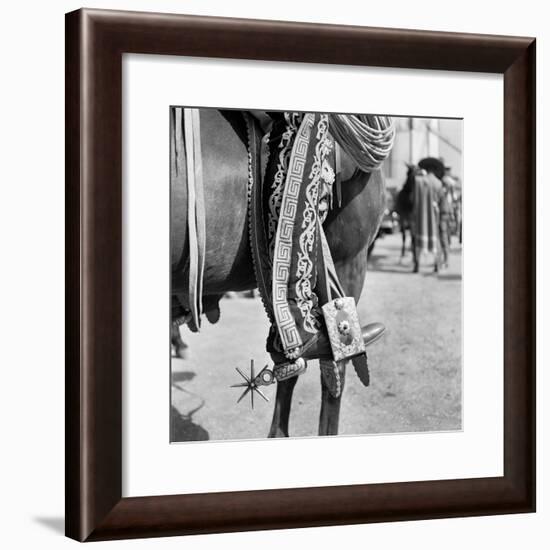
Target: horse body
{"points": [[350, 227], [404, 205]]}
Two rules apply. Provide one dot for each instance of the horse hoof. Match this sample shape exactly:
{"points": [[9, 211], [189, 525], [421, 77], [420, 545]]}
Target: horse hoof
{"points": [[277, 433], [181, 352]]}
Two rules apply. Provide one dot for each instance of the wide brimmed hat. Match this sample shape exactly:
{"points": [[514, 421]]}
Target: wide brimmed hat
{"points": [[433, 165]]}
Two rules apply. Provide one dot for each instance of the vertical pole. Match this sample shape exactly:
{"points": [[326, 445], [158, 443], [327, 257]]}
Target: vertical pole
{"points": [[411, 141]]}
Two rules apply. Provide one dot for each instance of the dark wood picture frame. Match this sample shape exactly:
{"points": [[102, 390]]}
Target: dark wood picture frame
{"points": [[95, 43]]}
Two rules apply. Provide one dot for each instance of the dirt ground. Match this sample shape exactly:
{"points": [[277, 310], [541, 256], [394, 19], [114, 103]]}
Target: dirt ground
{"points": [[416, 371]]}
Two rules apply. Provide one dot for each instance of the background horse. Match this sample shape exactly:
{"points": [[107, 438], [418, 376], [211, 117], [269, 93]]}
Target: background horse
{"points": [[349, 228], [404, 204]]}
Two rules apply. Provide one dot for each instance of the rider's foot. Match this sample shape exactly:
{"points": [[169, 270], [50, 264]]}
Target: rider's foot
{"points": [[319, 347], [372, 332]]}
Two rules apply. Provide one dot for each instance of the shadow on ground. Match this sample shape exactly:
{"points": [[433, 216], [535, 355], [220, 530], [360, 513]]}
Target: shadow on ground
{"points": [[182, 426], [182, 376], [450, 277], [384, 264]]}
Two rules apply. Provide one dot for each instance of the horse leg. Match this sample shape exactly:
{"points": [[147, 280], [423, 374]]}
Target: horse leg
{"points": [[281, 413], [370, 249], [330, 406], [403, 240], [180, 347], [352, 277], [416, 254]]}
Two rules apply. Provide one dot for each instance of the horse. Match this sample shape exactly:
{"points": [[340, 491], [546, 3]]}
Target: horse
{"points": [[350, 227], [404, 205]]}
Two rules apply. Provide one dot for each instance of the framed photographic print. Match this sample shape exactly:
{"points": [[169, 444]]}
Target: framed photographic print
{"points": [[300, 267]]}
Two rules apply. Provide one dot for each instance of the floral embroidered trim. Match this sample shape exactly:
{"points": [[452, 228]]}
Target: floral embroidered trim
{"points": [[306, 300]]}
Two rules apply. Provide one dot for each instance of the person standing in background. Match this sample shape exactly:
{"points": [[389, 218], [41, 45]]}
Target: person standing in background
{"points": [[445, 206], [425, 218]]}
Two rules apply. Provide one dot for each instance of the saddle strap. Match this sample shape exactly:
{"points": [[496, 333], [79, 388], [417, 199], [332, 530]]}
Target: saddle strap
{"points": [[256, 222], [338, 173], [334, 288], [195, 212]]}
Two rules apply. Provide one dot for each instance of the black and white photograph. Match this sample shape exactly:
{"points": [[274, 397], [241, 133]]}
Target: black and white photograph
{"points": [[316, 274]]}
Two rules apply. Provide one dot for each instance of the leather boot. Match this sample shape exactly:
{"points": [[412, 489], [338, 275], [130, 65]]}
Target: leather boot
{"points": [[319, 346]]}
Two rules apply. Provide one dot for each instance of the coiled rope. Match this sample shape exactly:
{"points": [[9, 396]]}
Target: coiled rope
{"points": [[367, 139]]}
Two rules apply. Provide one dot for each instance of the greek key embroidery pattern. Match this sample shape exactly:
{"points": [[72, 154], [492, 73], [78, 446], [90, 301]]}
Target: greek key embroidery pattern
{"points": [[275, 198], [288, 332]]}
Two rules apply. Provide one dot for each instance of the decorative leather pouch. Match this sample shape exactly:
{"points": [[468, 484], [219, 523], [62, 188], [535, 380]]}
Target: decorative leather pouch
{"points": [[344, 330]]}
